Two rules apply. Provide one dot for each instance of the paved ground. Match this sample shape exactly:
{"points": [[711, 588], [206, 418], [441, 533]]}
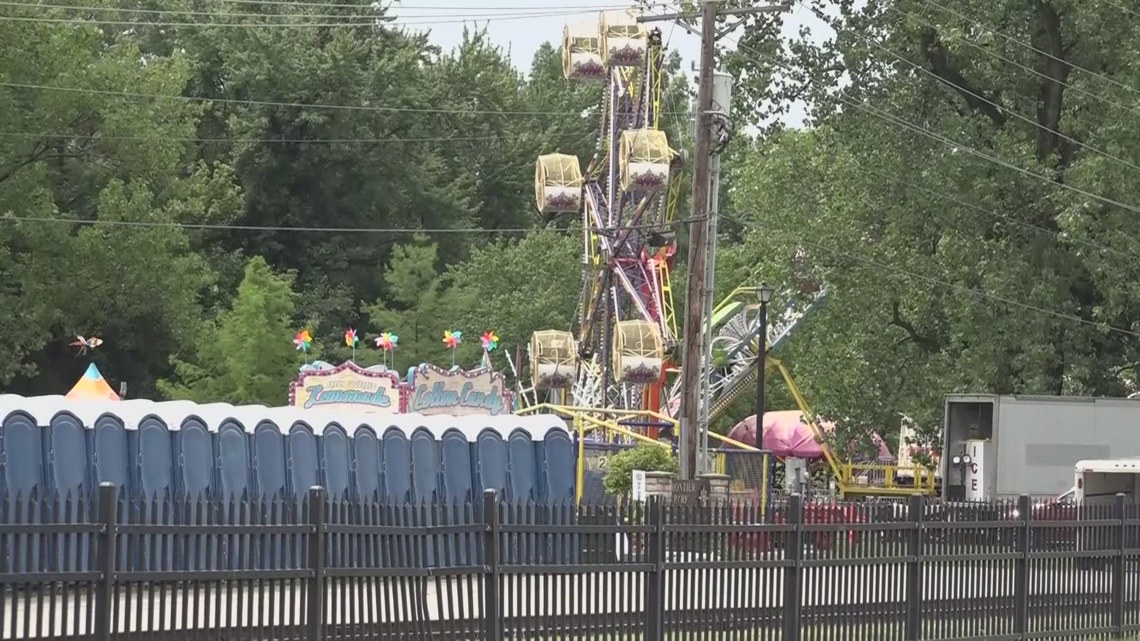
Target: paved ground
{"points": [[599, 595]]}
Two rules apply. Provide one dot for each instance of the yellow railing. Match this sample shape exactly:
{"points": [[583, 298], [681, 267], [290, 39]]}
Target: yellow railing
{"points": [[586, 420], [858, 478]]}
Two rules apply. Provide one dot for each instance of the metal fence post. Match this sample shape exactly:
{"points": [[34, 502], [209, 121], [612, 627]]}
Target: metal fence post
{"points": [[315, 593], [914, 568], [492, 583], [654, 584], [793, 570], [105, 558], [1021, 567], [1118, 512]]}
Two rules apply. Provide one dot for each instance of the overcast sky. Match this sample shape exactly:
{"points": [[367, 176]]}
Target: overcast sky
{"points": [[521, 26]]}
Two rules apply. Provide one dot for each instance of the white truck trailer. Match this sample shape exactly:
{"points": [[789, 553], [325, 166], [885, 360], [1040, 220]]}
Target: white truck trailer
{"points": [[1002, 446], [1096, 484]]}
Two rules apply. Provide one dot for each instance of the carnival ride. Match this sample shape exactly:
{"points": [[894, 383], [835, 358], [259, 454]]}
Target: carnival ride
{"points": [[616, 370], [626, 197]]}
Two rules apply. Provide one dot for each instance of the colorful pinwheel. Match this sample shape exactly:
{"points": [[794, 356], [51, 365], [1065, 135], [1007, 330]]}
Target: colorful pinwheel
{"points": [[387, 343], [490, 340], [351, 339], [303, 340], [452, 338]]}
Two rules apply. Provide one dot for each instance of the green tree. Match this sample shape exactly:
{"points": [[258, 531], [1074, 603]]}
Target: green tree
{"points": [[646, 456], [377, 166], [518, 287], [246, 357], [954, 194], [419, 310], [76, 151]]}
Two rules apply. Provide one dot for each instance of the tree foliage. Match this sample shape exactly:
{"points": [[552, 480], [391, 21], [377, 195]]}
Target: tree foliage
{"points": [[245, 357], [646, 456], [285, 125], [954, 192]]}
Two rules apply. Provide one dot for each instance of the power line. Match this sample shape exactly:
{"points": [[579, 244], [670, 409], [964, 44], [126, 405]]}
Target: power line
{"points": [[1123, 8], [377, 21], [1029, 46], [993, 54], [1002, 108], [185, 12], [64, 136], [151, 224], [264, 228], [418, 7], [1009, 219], [962, 288], [376, 13], [889, 118], [895, 120], [272, 103]]}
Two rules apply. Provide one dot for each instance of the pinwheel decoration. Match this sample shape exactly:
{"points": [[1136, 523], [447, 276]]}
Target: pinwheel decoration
{"points": [[387, 342], [490, 340], [303, 340], [83, 345], [452, 338], [351, 339]]}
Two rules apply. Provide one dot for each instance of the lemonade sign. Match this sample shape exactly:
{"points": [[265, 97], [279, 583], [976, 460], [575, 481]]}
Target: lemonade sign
{"points": [[347, 386], [458, 393]]}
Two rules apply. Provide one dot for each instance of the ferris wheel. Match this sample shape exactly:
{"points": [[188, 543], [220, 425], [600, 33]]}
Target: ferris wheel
{"points": [[616, 356]]}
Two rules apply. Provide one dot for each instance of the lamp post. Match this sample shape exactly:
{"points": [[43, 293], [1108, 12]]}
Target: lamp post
{"points": [[764, 295]]}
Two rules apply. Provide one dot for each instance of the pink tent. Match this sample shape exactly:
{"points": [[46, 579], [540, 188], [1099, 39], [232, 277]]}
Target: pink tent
{"points": [[786, 434]]}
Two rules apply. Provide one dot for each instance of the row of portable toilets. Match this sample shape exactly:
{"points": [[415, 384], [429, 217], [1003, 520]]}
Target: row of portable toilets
{"points": [[406, 458], [218, 463]]}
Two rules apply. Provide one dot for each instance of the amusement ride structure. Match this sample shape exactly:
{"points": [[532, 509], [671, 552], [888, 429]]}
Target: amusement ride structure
{"points": [[626, 198], [619, 359]]}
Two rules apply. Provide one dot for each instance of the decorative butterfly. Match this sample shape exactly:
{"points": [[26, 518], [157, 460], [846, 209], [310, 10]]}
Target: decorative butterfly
{"points": [[84, 344]]}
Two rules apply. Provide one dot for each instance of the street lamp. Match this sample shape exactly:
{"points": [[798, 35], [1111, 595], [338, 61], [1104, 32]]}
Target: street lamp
{"points": [[764, 295]]}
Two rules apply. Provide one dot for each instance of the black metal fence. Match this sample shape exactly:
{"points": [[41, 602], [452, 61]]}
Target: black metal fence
{"points": [[111, 569]]}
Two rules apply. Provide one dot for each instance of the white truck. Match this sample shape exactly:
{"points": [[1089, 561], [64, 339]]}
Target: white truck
{"points": [[1003, 446], [1096, 484]]}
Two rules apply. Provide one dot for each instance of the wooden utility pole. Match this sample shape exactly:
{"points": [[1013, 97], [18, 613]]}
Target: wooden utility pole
{"points": [[699, 238], [693, 348]]}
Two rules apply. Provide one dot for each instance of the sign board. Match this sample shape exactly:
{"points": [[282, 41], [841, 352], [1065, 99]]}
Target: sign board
{"points": [[458, 393], [346, 386], [637, 490], [691, 491], [975, 471]]}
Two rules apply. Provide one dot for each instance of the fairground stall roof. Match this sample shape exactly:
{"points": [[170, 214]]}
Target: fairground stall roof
{"points": [[92, 386]]}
